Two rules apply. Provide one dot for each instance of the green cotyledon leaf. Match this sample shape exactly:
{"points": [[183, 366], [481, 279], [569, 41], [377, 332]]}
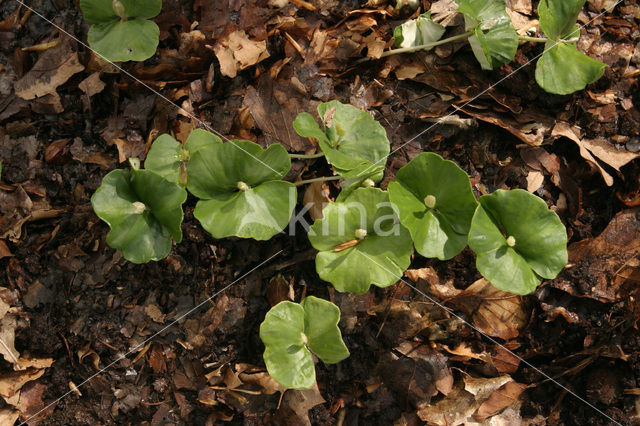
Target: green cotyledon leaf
{"points": [[240, 189], [360, 242], [291, 331], [435, 203], [144, 212], [517, 240]]}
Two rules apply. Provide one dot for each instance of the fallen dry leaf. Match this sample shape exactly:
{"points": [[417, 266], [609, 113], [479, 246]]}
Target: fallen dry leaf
{"points": [[603, 267], [7, 338], [500, 399], [237, 52], [316, 197], [54, 67], [12, 382], [4, 250], [592, 148], [92, 85], [493, 311], [462, 402]]}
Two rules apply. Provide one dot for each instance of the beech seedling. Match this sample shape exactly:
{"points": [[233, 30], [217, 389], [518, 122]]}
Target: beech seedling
{"points": [[120, 29], [292, 331], [143, 210], [435, 203], [517, 240], [241, 190], [360, 242], [353, 142]]}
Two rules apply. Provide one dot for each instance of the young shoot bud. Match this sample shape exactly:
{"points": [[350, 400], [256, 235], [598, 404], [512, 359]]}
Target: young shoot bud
{"points": [[118, 8], [430, 201], [243, 186], [134, 163], [368, 183], [511, 241], [139, 207], [340, 130], [305, 339], [361, 233]]}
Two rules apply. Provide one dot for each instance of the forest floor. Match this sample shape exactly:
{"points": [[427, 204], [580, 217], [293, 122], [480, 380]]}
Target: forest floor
{"points": [[89, 338]]}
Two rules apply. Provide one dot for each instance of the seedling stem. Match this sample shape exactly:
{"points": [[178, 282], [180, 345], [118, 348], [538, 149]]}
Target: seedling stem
{"points": [[319, 179]]}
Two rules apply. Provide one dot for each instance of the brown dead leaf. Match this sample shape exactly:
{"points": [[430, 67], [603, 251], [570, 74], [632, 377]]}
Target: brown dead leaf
{"points": [[236, 51], [529, 126], [316, 197], [28, 362], [92, 85], [605, 263], [86, 352], [493, 311], [263, 380], [278, 290], [4, 250], [500, 399], [600, 148], [535, 179], [8, 416], [54, 67], [301, 401], [30, 401], [154, 313], [462, 402], [7, 338], [11, 383], [274, 104]]}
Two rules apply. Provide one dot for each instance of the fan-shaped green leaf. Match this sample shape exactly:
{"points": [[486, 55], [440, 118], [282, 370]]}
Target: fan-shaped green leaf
{"points": [[239, 189], [290, 330], [353, 142], [143, 210], [495, 41], [440, 230], [563, 69], [168, 158], [121, 41], [517, 240], [416, 32], [360, 242], [558, 17]]}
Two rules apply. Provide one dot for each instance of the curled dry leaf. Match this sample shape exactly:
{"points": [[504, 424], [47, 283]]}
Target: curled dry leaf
{"points": [[316, 196], [236, 51], [605, 268], [593, 150], [493, 311], [466, 399]]}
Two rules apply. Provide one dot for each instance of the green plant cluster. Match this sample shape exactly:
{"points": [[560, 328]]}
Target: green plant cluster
{"points": [[367, 236], [121, 30], [562, 68]]}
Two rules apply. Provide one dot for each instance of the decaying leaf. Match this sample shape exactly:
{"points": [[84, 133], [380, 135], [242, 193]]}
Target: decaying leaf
{"points": [[237, 52], [473, 397], [604, 267], [54, 67], [316, 196], [493, 311], [599, 148]]}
